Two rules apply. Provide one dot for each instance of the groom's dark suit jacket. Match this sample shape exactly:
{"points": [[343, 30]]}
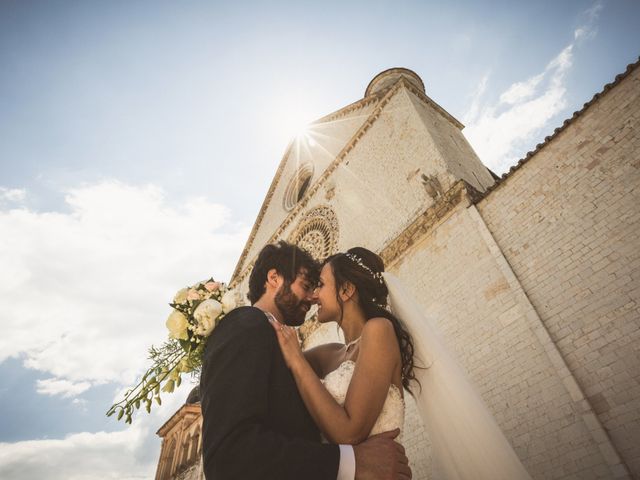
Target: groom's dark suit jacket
{"points": [[255, 423]]}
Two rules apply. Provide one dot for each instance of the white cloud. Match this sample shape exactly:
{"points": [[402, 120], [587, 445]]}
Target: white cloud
{"points": [[130, 454], [580, 33], [498, 132], [520, 91], [85, 293], [476, 98], [503, 131], [64, 388], [12, 195], [588, 28], [79, 456], [81, 403]]}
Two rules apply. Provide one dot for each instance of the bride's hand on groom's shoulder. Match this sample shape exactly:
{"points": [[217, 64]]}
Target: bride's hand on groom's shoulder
{"points": [[289, 343]]}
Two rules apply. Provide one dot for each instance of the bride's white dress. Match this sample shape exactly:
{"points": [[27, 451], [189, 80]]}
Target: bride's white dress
{"points": [[392, 414]]}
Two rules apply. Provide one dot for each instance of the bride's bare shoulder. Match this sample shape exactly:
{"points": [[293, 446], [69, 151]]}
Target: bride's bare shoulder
{"points": [[378, 335], [378, 327]]}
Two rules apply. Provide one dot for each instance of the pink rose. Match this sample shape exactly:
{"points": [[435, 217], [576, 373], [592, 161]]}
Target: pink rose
{"points": [[212, 286], [193, 295]]}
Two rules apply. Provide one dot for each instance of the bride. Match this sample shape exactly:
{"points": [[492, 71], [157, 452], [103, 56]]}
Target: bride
{"points": [[355, 390], [362, 392]]}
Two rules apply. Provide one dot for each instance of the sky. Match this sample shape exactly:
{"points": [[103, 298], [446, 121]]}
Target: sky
{"points": [[137, 142]]}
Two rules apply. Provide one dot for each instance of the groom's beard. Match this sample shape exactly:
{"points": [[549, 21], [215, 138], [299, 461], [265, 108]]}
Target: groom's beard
{"points": [[292, 308]]}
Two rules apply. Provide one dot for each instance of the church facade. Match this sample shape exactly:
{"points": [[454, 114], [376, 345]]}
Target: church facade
{"points": [[533, 279]]}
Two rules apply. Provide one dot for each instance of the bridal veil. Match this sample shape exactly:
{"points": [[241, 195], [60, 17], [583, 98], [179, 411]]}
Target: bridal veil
{"points": [[467, 443]]}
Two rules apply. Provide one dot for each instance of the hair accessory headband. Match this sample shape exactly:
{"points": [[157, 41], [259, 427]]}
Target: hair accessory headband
{"points": [[358, 261]]}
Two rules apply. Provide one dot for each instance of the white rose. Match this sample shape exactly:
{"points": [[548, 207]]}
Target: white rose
{"points": [[230, 300], [181, 296], [177, 324], [206, 314]]}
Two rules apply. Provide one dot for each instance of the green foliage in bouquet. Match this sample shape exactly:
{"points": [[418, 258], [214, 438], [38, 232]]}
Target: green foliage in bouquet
{"points": [[196, 312]]}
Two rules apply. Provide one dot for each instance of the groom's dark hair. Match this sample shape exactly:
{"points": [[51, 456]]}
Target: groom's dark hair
{"points": [[288, 260]]}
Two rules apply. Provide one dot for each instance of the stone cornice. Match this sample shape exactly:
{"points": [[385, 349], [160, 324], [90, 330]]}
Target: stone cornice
{"points": [[344, 111], [461, 193], [178, 416], [240, 272]]}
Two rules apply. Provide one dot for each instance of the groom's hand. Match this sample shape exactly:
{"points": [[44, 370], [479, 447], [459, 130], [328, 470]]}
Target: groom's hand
{"points": [[381, 458]]}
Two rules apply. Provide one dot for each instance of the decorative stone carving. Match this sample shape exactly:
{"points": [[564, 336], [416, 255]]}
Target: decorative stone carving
{"points": [[432, 186], [460, 193], [317, 232], [329, 190]]}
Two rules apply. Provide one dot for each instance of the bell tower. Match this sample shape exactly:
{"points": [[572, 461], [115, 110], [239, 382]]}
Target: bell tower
{"points": [[451, 157]]}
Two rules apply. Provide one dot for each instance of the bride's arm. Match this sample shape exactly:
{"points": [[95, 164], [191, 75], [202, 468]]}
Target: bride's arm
{"points": [[377, 358]]}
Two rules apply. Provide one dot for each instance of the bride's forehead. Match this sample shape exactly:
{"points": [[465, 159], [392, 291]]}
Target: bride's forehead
{"points": [[326, 272]]}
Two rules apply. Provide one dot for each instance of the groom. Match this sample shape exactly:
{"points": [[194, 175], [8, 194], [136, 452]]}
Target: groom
{"points": [[255, 423]]}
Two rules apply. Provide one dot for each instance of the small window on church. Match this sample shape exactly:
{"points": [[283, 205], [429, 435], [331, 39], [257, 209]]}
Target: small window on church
{"points": [[303, 188], [298, 186]]}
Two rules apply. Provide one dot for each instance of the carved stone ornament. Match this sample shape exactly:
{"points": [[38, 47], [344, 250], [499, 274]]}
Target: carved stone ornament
{"points": [[317, 232]]}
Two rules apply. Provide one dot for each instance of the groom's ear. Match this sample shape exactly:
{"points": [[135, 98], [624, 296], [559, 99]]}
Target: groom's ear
{"points": [[274, 279]]}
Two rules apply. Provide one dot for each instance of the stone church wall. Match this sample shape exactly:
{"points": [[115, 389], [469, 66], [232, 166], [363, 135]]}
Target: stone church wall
{"points": [[374, 198], [481, 314], [453, 151], [568, 222]]}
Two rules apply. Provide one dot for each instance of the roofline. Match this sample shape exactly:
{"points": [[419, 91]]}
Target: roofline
{"points": [[390, 70], [425, 98], [499, 181]]}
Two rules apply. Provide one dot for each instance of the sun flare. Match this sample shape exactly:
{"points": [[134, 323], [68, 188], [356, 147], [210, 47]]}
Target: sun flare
{"points": [[293, 120]]}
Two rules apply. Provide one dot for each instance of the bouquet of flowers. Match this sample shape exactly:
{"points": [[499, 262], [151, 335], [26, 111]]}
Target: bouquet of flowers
{"points": [[196, 312]]}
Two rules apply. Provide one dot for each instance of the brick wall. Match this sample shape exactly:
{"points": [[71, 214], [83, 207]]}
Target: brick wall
{"points": [[483, 320], [568, 222]]}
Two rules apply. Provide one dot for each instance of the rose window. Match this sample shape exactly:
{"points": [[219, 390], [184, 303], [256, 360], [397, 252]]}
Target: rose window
{"points": [[317, 233]]}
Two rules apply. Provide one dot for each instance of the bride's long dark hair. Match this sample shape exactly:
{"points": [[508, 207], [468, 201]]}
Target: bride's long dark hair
{"points": [[372, 298]]}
